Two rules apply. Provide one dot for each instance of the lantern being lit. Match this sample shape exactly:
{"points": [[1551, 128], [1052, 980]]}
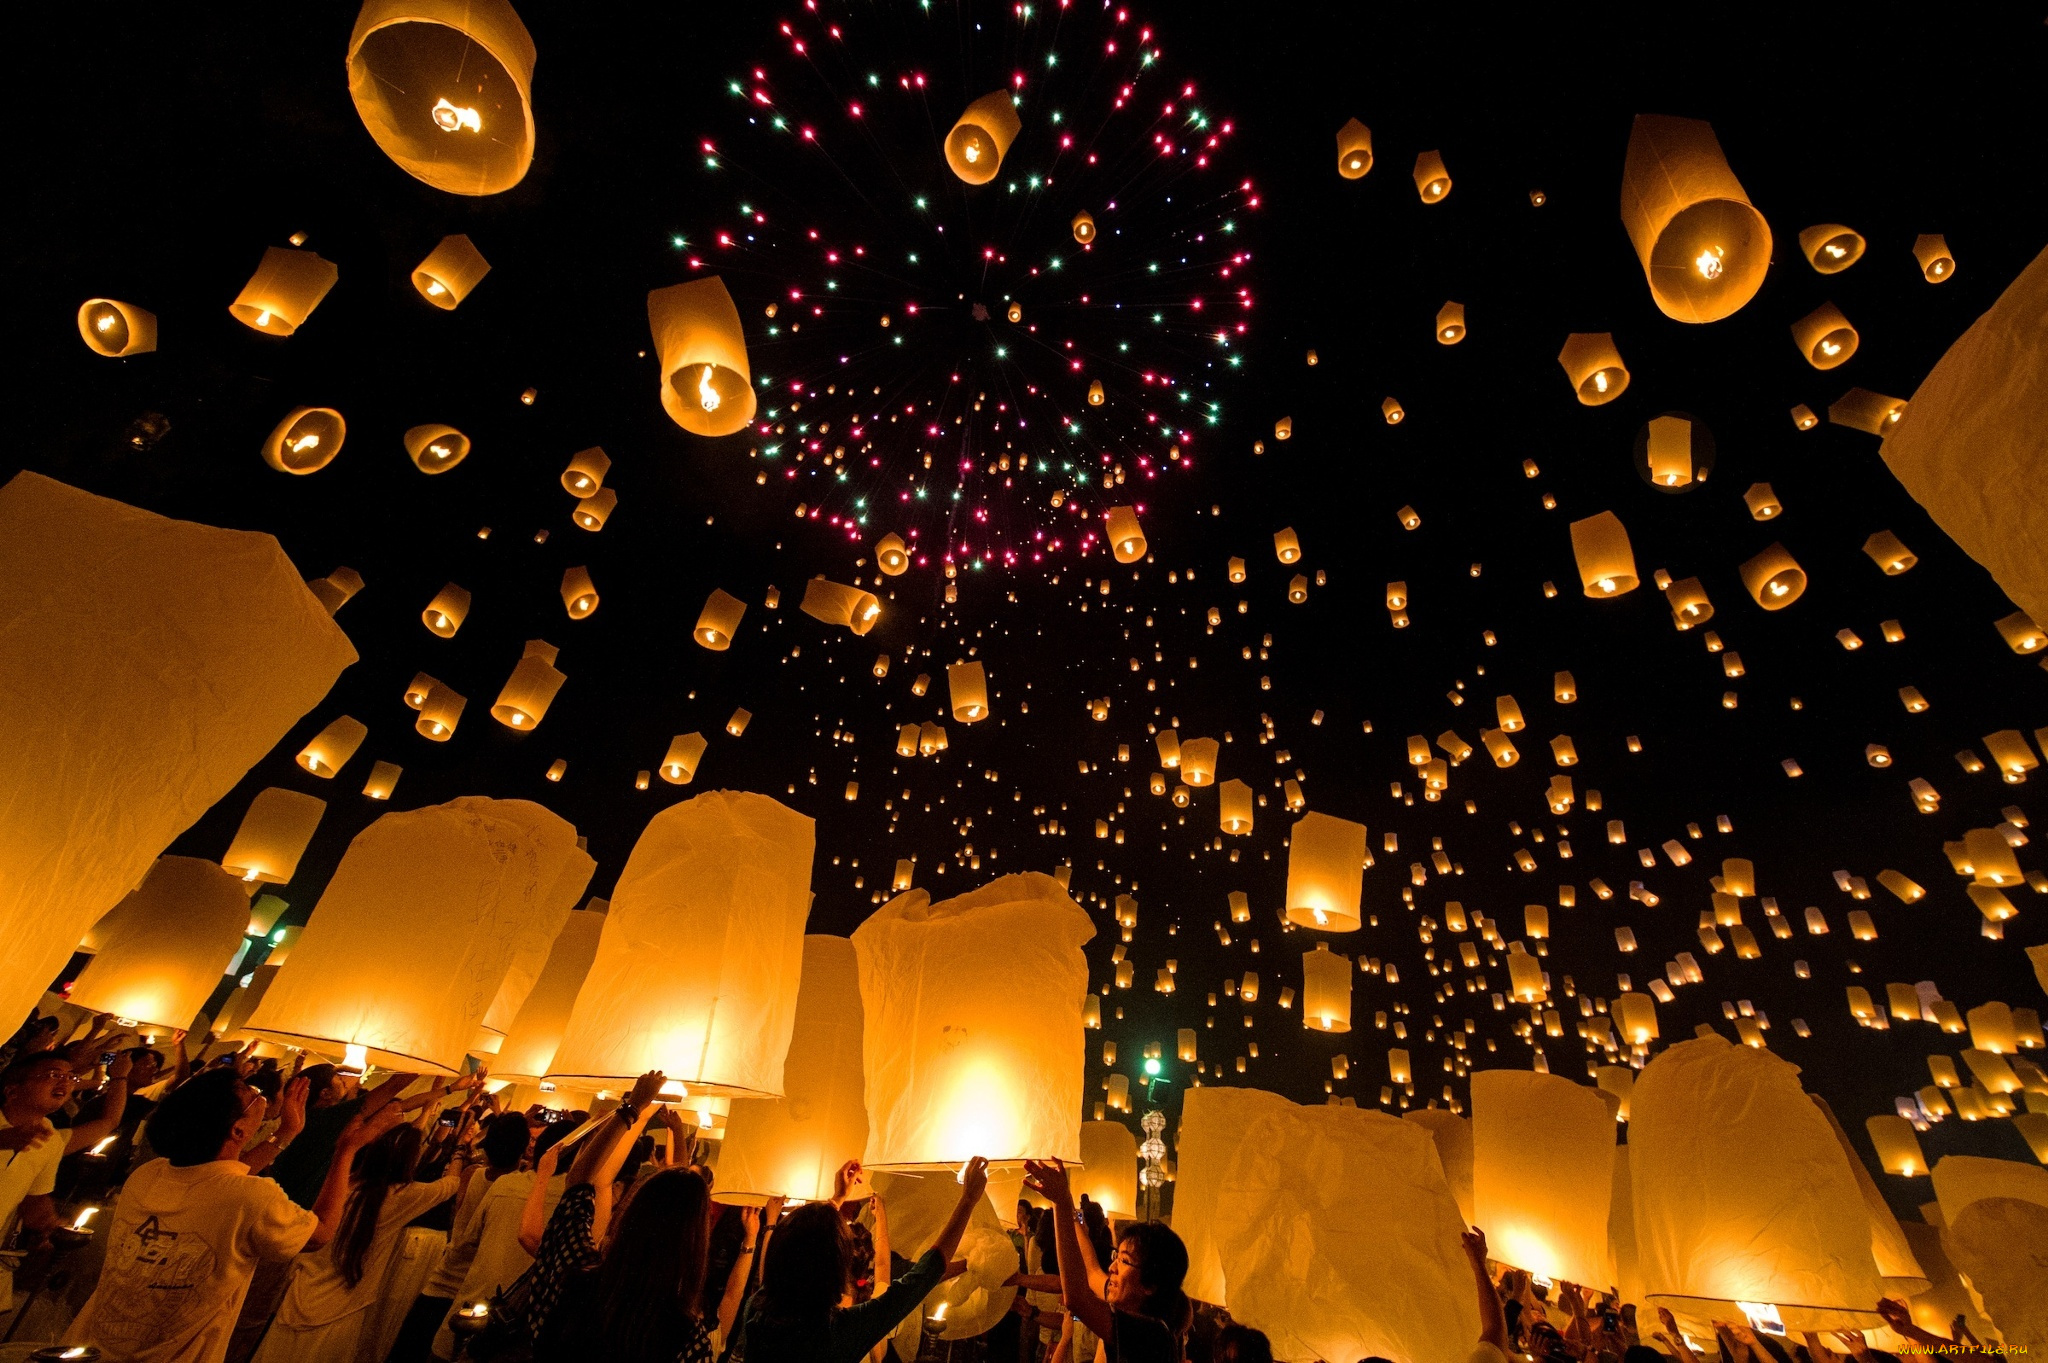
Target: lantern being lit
{"points": [[445, 88], [115, 329], [794, 1147], [1354, 150], [1607, 564], [450, 271], [973, 1015], [1594, 367], [835, 603], [283, 292], [1325, 873], [1325, 990], [306, 441], [707, 385], [976, 145], [1126, 540], [698, 971], [1542, 1172], [163, 947], [415, 932], [1704, 248]]}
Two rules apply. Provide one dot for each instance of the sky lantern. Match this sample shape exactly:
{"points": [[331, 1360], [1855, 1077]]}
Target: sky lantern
{"points": [[1354, 150], [535, 1033], [976, 145], [1542, 1173], [707, 385], [1704, 248], [282, 294], [1325, 872], [162, 949], [445, 88], [450, 271], [115, 329]]}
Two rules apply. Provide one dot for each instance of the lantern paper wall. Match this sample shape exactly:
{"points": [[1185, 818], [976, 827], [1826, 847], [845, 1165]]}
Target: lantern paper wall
{"points": [[1542, 1173], [1830, 247], [977, 143], [1968, 448], [1453, 1137], [1714, 1224], [1126, 540], [530, 1042], [835, 603], [445, 88], [1325, 990], [1704, 248], [114, 329], [1594, 367], [148, 664], [793, 1147], [1109, 1176], [435, 448], [968, 683], [530, 690], [283, 292], [1607, 564], [306, 441], [1325, 872], [973, 1009], [163, 947], [1996, 1234], [412, 937], [532, 944], [1330, 1228], [707, 385], [698, 971], [1774, 578], [1888, 1247]]}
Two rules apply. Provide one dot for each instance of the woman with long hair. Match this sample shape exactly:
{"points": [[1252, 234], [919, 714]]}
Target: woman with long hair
{"points": [[1135, 1306], [327, 1303]]}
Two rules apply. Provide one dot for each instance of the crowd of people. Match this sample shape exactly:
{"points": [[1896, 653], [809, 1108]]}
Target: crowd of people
{"points": [[255, 1213]]}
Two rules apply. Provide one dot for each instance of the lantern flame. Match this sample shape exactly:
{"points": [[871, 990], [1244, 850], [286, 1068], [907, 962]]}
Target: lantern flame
{"points": [[707, 396], [454, 118], [1708, 262]]}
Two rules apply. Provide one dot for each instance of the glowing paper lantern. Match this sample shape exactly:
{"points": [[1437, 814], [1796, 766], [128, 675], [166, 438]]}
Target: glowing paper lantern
{"points": [[1830, 247], [163, 947], [530, 690], [115, 329], [1542, 1173], [532, 944], [1996, 1234], [1607, 564], [1594, 367], [1888, 1246], [414, 934], [1432, 181], [450, 271], [445, 88], [440, 711], [1325, 990], [1450, 324], [333, 746], [719, 621], [283, 292], [1937, 263], [1635, 1016], [579, 593], [1354, 150], [1109, 1176], [1668, 451], [1126, 540], [306, 441], [679, 763], [593, 511], [149, 664], [1198, 761], [976, 145], [1084, 227], [530, 1042], [586, 471], [1325, 872], [2020, 633], [1863, 410], [436, 448], [1269, 1200], [968, 683], [1969, 431], [1888, 553], [891, 556], [1715, 1225], [382, 781], [698, 971], [1774, 578], [1287, 545], [793, 1147], [273, 836], [835, 603], [1825, 337], [1898, 1149], [1453, 1137], [336, 589], [707, 385], [1703, 247], [973, 1009], [446, 612], [1762, 501]]}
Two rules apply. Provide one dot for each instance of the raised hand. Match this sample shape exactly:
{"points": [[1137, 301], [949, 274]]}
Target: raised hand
{"points": [[1047, 1178], [647, 1088], [974, 1179]]}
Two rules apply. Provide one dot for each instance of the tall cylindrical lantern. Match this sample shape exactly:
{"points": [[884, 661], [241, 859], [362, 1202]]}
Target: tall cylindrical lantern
{"points": [[979, 140], [793, 1147], [679, 763], [273, 836], [306, 441], [593, 511], [1635, 1017], [440, 711], [1234, 807], [435, 448], [1109, 1173], [115, 329], [1774, 578], [974, 1032], [1825, 337], [283, 292], [968, 683], [1126, 539], [698, 971], [445, 87], [1198, 761], [1287, 545], [530, 690], [1607, 563], [536, 1031], [333, 746], [1937, 262], [1450, 324], [1594, 367], [707, 385], [719, 621], [1083, 227], [1542, 1173], [162, 949], [1325, 872], [149, 664], [1453, 1137], [1354, 149], [1889, 553], [450, 271], [1715, 1225], [1325, 990], [1902, 1274], [579, 593], [835, 603], [1704, 248], [532, 944], [413, 935]]}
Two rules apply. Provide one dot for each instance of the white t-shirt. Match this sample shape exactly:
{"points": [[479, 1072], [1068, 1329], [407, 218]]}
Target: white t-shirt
{"points": [[28, 1173], [320, 1295], [462, 1239], [180, 1251], [499, 1260]]}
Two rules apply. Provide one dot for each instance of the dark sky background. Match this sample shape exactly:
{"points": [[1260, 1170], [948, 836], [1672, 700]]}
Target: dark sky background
{"points": [[160, 149]]}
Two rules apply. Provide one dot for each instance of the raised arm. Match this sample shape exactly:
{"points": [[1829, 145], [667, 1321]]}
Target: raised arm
{"points": [[742, 1269], [604, 1152], [533, 1221], [1493, 1322], [364, 1127], [113, 1102], [291, 1120], [1049, 1180]]}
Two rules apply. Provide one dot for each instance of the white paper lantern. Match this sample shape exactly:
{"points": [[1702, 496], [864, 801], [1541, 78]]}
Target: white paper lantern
{"points": [[536, 1032], [1109, 1154], [1453, 1135], [1996, 1233], [1543, 1173], [162, 949]]}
